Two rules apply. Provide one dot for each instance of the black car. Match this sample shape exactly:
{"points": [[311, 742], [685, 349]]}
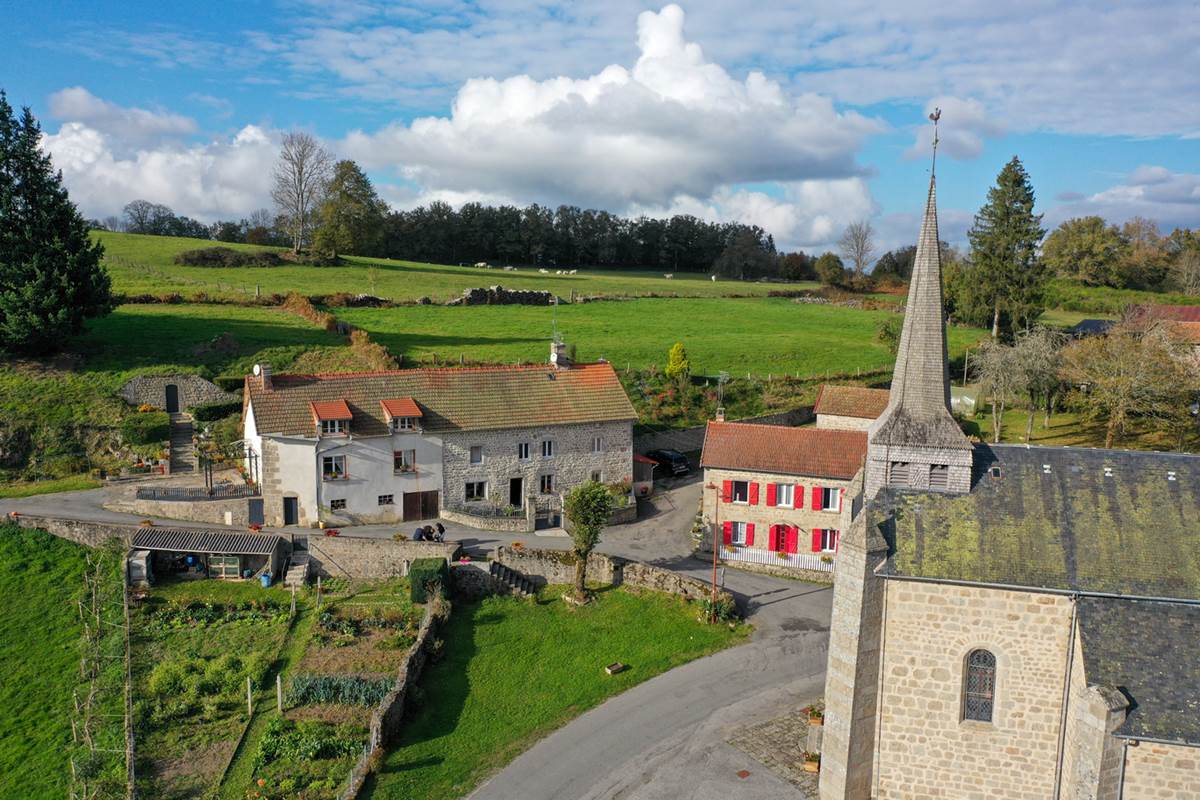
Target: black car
{"points": [[672, 462]]}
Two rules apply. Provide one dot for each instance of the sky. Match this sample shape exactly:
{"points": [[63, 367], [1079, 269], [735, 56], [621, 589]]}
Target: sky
{"points": [[799, 117]]}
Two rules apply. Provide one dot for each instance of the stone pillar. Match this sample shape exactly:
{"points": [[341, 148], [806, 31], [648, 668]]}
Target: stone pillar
{"points": [[1094, 753], [852, 678]]}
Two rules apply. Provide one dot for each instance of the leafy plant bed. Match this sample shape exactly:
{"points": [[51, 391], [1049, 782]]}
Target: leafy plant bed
{"points": [[365, 631], [511, 671], [309, 759]]}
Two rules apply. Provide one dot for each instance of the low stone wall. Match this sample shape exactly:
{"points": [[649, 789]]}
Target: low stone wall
{"points": [[799, 573], [521, 524], [473, 583], [89, 534], [211, 511], [499, 296], [363, 558]]}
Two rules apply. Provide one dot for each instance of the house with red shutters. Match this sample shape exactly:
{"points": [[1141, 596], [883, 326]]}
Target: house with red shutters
{"points": [[776, 496]]}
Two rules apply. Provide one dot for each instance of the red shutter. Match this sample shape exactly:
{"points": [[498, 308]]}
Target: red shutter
{"points": [[773, 538], [798, 495], [728, 533], [837, 540], [841, 497], [754, 494], [749, 533], [771, 495], [726, 491], [816, 506], [791, 539], [816, 542]]}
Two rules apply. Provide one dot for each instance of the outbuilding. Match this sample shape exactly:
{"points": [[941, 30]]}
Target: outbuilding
{"points": [[191, 553]]}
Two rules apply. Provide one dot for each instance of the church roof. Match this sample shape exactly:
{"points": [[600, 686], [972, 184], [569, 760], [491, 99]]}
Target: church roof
{"points": [[1146, 649], [1114, 521]]}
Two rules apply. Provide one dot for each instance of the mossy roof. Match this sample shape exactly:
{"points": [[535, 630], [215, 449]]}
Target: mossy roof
{"points": [[1083, 519]]}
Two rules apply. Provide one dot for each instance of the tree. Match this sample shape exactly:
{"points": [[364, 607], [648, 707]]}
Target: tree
{"points": [[1038, 357], [300, 177], [1146, 259], [829, 269], [1000, 379], [351, 216], [51, 278], [1184, 245], [587, 507], [887, 332], [1140, 369], [1004, 252], [1086, 249], [896, 264], [858, 245], [796, 267], [745, 258], [678, 367]]}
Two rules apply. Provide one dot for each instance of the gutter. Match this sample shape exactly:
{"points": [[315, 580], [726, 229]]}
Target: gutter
{"points": [[1016, 587]]}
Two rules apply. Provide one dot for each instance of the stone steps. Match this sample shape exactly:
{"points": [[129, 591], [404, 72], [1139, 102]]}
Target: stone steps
{"points": [[182, 452], [516, 582], [297, 571]]}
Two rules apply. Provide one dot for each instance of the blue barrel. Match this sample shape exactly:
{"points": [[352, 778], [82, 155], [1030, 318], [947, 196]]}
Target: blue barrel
{"points": [[266, 579]]}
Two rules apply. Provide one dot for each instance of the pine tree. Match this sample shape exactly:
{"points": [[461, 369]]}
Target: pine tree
{"points": [[1004, 252], [51, 279], [351, 216]]}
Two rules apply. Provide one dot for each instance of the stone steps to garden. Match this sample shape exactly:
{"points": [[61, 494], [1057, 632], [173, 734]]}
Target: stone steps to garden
{"points": [[182, 451], [297, 572], [514, 580]]}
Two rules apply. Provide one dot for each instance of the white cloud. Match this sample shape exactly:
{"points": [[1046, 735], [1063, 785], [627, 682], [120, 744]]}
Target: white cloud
{"points": [[963, 127], [1171, 198], [77, 104]]}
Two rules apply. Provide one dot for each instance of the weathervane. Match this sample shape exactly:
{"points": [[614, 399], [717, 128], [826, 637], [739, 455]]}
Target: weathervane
{"points": [[934, 117]]}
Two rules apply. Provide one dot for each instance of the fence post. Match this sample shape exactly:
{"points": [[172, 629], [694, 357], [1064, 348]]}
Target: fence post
{"points": [[249, 699], [279, 692]]}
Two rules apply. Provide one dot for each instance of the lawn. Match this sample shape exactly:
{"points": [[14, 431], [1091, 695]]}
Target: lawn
{"points": [[1066, 429], [759, 335], [514, 670], [40, 578], [144, 265], [71, 483]]}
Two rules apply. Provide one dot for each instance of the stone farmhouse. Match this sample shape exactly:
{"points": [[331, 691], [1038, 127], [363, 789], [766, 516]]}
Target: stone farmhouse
{"points": [[386, 447], [1009, 621], [778, 494]]}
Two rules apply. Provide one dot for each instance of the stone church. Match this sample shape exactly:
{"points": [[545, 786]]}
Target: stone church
{"points": [[1009, 621]]}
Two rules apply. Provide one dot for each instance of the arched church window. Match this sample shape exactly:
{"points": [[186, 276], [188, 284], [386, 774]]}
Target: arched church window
{"points": [[979, 693]]}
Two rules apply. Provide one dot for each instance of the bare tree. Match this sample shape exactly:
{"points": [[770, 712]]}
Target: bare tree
{"points": [[1000, 379], [1038, 357], [1186, 271], [858, 245], [300, 178]]}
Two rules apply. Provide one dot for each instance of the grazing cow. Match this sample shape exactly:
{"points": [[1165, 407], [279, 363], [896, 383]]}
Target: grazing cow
{"points": [[714, 278], [482, 264], [668, 275], [572, 272], [544, 271]]}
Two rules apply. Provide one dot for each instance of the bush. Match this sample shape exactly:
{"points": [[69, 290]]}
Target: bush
{"points": [[301, 306], [230, 383], [209, 412], [726, 609], [228, 257], [146, 428], [423, 574]]}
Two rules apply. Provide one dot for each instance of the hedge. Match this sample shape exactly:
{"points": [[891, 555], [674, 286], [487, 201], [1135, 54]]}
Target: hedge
{"points": [[228, 257], [148, 428], [425, 572], [209, 412]]}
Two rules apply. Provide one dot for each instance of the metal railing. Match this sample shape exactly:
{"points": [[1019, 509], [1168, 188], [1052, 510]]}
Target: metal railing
{"points": [[755, 555], [218, 492]]}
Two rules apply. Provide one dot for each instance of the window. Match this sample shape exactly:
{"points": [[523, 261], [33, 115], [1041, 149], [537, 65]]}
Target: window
{"points": [[404, 460], [785, 495], [597, 476], [476, 454], [387, 500], [333, 468], [738, 531], [547, 448], [333, 427], [475, 490], [898, 473], [337, 505], [740, 492], [939, 477], [979, 693], [831, 499], [597, 444], [403, 424], [523, 451], [546, 483], [829, 540]]}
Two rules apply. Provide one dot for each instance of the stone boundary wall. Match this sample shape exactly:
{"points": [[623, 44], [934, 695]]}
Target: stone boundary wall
{"points": [[690, 440], [389, 714], [193, 391], [195, 510], [365, 558], [499, 296], [88, 534], [521, 524], [798, 573]]}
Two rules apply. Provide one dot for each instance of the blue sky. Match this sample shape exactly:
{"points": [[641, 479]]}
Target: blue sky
{"points": [[797, 117]]}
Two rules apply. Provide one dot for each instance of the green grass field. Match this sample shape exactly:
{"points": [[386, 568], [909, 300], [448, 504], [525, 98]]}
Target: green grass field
{"points": [[144, 265], [40, 577], [513, 671], [758, 335]]}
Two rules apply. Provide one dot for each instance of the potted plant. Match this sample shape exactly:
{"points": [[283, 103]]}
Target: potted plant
{"points": [[812, 761], [816, 714], [826, 559], [781, 554]]}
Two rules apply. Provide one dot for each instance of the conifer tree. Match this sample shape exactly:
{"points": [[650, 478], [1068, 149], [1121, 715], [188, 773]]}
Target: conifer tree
{"points": [[1004, 252], [51, 279]]}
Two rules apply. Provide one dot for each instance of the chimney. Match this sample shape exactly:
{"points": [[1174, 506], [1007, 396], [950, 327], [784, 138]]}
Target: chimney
{"points": [[720, 413], [560, 354], [263, 373]]}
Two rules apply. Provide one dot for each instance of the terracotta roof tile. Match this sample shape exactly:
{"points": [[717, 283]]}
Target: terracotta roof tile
{"points": [[851, 401], [1176, 313], [330, 409], [787, 451], [400, 407], [471, 398]]}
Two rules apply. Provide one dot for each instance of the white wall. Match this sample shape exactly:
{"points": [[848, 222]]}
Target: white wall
{"points": [[253, 442], [370, 469]]}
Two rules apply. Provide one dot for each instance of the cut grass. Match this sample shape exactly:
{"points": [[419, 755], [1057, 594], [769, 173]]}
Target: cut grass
{"points": [[40, 578], [763, 336], [71, 483], [512, 671], [1066, 429]]}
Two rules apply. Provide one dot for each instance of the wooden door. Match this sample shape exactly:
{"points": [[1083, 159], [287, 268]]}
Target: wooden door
{"points": [[412, 506]]}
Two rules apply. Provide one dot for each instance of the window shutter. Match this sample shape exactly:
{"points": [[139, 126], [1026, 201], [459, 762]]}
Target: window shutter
{"points": [[791, 541], [771, 495], [728, 537], [749, 533], [816, 506], [726, 491], [798, 496], [841, 497], [837, 540], [754, 494], [816, 540], [773, 538]]}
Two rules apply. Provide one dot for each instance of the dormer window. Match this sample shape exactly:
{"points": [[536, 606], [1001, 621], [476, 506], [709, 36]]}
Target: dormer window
{"points": [[334, 427], [402, 413], [332, 417], [403, 424]]}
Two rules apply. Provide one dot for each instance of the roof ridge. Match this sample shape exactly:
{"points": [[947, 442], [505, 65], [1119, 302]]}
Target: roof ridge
{"points": [[1077, 448], [413, 370], [798, 428]]}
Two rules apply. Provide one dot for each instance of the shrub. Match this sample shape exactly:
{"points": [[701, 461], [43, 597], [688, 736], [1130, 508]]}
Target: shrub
{"points": [[424, 574], [301, 306], [346, 690], [726, 609], [209, 412], [230, 383], [228, 257], [147, 428]]}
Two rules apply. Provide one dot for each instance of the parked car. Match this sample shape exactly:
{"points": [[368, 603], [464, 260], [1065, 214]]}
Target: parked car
{"points": [[671, 462]]}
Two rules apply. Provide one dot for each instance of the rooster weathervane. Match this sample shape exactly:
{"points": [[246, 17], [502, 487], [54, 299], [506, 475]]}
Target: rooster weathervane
{"points": [[934, 117]]}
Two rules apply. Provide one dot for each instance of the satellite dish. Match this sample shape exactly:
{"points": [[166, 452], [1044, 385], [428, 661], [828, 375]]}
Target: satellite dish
{"points": [[257, 370]]}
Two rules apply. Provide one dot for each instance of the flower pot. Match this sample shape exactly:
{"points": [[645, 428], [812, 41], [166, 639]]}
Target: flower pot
{"points": [[812, 766], [815, 721]]}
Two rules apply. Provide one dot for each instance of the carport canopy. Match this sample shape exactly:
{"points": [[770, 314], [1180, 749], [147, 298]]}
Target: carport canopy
{"points": [[185, 540]]}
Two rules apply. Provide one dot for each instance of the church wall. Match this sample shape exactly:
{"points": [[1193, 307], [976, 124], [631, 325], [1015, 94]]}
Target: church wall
{"points": [[1162, 772], [925, 747]]}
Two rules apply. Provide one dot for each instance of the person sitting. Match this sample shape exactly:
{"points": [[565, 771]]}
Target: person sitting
{"points": [[429, 533], [419, 534], [440, 536]]}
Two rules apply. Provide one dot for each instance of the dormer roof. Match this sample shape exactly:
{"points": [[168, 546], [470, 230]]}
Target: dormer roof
{"points": [[399, 407]]}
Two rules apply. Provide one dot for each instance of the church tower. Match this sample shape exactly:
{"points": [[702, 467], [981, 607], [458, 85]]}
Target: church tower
{"points": [[915, 442]]}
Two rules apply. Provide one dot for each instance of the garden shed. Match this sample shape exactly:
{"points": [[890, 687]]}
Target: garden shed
{"points": [[193, 553]]}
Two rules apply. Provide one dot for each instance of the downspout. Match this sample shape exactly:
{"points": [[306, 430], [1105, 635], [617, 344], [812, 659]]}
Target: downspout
{"points": [[1121, 776], [881, 686], [1066, 699]]}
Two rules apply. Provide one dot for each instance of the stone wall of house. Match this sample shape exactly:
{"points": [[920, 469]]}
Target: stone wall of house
{"points": [[193, 391], [925, 747], [840, 423], [573, 461], [1092, 755], [1156, 771], [88, 534], [365, 558]]}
